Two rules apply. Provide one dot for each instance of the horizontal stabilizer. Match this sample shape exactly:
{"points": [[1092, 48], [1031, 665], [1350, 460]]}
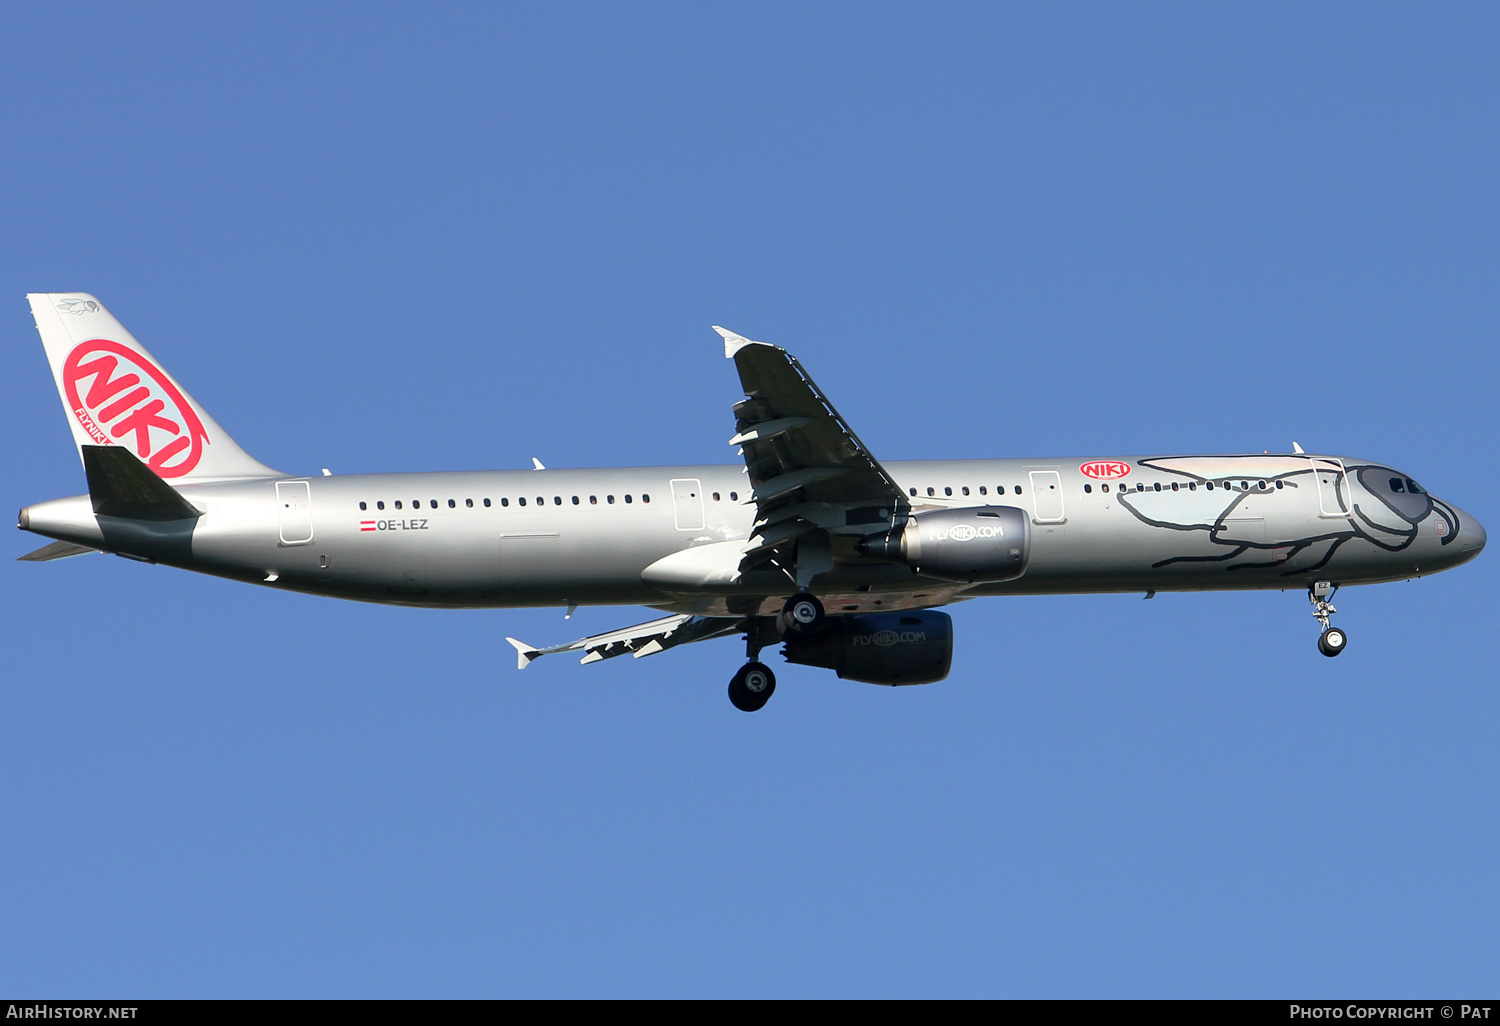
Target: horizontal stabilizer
{"points": [[120, 485], [57, 550]]}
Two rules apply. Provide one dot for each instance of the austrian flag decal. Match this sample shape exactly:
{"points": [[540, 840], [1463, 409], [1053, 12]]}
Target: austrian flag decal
{"points": [[130, 401]]}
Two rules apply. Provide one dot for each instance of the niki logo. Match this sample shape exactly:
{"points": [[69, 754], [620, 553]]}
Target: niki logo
{"points": [[887, 638], [78, 306], [1105, 470], [131, 401]]}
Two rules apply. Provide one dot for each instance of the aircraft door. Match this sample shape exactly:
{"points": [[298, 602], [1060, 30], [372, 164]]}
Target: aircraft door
{"points": [[1046, 496], [1333, 487], [294, 506], [687, 503]]}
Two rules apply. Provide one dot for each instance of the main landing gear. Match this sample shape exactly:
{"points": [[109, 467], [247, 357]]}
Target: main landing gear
{"points": [[1332, 641], [752, 687], [802, 616]]}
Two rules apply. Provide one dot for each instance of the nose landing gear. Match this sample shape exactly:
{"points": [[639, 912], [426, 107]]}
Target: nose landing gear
{"points": [[1332, 641]]}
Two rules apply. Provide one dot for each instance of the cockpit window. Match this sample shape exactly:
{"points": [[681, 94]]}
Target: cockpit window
{"points": [[1415, 488], [1396, 485]]}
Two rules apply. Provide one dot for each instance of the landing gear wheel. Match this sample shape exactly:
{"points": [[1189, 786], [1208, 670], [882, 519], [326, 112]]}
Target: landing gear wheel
{"points": [[1332, 642], [802, 616], [752, 687]]}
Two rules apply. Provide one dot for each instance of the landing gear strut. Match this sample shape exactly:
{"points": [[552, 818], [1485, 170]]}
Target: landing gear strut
{"points": [[1332, 641], [802, 616]]}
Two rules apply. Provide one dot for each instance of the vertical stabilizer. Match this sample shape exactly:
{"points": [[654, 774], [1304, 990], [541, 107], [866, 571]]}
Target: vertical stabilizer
{"points": [[115, 393]]}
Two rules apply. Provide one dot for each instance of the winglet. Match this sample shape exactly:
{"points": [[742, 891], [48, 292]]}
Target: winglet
{"points": [[734, 343], [524, 653], [1297, 448]]}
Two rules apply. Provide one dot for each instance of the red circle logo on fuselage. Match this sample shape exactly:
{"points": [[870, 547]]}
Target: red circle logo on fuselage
{"points": [[1105, 470]]}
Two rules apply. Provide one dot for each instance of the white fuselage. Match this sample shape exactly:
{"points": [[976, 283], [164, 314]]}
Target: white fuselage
{"points": [[671, 537]]}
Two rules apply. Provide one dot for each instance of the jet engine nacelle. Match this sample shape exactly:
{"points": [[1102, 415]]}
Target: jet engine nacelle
{"points": [[880, 648], [981, 543]]}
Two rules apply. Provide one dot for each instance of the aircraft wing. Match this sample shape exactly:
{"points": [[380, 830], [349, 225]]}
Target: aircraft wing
{"points": [[641, 640], [808, 470]]}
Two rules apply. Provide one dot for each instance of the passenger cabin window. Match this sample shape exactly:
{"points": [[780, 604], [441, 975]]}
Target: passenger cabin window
{"points": [[380, 505], [1157, 486], [451, 503], [734, 496], [1018, 489], [487, 503], [522, 500], [1104, 488], [628, 499], [931, 491], [716, 496], [610, 499], [363, 506], [1088, 489], [593, 500], [965, 489], [982, 491], [913, 491], [541, 500], [575, 500], [469, 503], [947, 491], [645, 497], [398, 503], [557, 500]]}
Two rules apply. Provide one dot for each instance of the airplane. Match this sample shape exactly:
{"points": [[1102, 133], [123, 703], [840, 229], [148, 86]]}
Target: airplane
{"points": [[812, 543]]}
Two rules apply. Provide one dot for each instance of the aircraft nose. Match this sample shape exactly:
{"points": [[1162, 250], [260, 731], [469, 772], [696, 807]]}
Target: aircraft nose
{"points": [[1471, 538]]}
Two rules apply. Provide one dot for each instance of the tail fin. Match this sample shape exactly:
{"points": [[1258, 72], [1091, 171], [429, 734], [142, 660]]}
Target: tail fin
{"points": [[116, 394]]}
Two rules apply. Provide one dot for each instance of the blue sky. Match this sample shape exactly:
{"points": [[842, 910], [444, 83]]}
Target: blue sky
{"points": [[377, 237]]}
